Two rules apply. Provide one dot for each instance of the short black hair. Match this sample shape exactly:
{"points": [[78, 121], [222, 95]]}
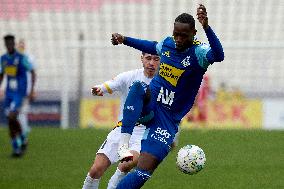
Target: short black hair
{"points": [[9, 37], [186, 19], [143, 53]]}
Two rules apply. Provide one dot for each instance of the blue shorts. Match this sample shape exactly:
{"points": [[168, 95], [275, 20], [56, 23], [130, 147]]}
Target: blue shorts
{"points": [[161, 127], [160, 134], [13, 103]]}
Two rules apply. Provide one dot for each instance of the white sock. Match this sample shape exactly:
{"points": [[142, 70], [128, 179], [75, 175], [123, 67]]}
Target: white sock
{"points": [[24, 123], [115, 179], [91, 183]]}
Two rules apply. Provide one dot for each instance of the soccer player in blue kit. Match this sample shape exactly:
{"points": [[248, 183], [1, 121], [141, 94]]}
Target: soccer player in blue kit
{"points": [[172, 92], [15, 67]]}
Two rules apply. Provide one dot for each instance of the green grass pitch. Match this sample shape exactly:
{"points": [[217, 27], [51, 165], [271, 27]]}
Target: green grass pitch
{"points": [[60, 159]]}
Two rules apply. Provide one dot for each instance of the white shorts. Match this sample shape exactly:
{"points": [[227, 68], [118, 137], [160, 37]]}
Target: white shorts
{"points": [[110, 145]]}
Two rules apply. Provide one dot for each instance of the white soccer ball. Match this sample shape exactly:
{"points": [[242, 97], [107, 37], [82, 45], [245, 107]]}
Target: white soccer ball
{"points": [[190, 159]]}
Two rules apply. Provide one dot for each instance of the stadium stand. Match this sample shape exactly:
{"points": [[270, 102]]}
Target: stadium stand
{"points": [[252, 33]]}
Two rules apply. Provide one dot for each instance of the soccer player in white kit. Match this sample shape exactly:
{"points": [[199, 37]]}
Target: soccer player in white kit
{"points": [[107, 154], [23, 114]]}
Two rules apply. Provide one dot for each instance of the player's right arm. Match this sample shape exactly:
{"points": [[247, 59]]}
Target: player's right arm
{"points": [[142, 45], [1, 71], [1, 76], [216, 53], [116, 84]]}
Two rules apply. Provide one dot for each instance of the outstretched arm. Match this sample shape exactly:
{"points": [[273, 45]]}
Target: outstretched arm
{"points": [[216, 54], [116, 84], [142, 45]]}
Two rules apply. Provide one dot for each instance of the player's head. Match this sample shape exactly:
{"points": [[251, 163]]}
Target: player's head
{"points": [[150, 64], [21, 46], [9, 41], [184, 31]]}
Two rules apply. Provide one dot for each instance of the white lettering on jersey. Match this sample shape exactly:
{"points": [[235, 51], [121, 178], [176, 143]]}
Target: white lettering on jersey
{"points": [[165, 97], [130, 108], [13, 84]]}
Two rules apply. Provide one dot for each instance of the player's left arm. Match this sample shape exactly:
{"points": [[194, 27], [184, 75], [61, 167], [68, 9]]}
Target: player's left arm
{"points": [[29, 67], [1, 71], [216, 53], [33, 81], [139, 44]]}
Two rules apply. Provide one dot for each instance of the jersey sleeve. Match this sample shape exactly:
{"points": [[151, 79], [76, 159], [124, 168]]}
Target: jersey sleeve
{"points": [[142, 45], [27, 64], [1, 65], [116, 84], [216, 53], [201, 52], [159, 47]]}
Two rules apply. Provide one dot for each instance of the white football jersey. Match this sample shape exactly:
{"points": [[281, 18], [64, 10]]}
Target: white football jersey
{"points": [[121, 83]]}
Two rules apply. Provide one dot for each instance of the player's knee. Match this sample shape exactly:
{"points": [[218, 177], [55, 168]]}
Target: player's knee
{"points": [[12, 116], [128, 166], [147, 97], [138, 87], [97, 171]]}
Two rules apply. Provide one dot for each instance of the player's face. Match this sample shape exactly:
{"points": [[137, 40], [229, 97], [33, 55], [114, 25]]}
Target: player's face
{"points": [[183, 35], [150, 64], [10, 45]]}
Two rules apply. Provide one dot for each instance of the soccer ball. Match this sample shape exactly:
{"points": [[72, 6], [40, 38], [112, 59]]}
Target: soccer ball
{"points": [[190, 159]]}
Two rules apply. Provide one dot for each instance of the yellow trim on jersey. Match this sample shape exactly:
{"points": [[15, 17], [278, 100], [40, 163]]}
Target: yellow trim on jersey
{"points": [[107, 88], [119, 124]]}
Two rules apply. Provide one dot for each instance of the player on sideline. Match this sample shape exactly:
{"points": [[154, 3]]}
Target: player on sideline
{"points": [[15, 67], [173, 90], [107, 154]]}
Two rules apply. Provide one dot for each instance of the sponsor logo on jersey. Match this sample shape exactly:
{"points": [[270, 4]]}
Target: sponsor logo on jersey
{"points": [[196, 42], [170, 73], [185, 61], [11, 70], [166, 53]]}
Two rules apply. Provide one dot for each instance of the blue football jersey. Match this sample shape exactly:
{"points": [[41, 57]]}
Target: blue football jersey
{"points": [[15, 67], [179, 77]]}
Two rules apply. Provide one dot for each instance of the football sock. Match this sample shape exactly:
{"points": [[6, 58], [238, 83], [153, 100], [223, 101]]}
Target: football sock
{"points": [[115, 179], [24, 123], [134, 180], [23, 139], [16, 143], [133, 106], [91, 183]]}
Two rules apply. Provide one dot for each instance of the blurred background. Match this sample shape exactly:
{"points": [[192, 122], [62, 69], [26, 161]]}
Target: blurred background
{"points": [[236, 117], [70, 43]]}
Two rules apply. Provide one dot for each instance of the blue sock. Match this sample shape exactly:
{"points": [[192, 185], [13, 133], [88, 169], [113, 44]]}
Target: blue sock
{"points": [[15, 144], [134, 180], [23, 139], [133, 106]]}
